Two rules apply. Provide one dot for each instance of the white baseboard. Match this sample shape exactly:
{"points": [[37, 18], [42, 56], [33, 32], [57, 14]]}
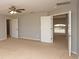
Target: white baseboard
{"points": [[29, 38], [46, 41], [74, 52], [1, 39]]}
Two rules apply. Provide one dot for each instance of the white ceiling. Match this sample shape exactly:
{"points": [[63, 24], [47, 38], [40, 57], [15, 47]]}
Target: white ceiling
{"points": [[29, 5]]}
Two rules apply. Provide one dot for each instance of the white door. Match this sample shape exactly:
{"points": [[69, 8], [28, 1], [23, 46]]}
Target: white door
{"points": [[46, 29], [14, 28], [69, 32]]}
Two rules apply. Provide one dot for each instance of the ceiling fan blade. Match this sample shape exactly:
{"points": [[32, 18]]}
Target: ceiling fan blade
{"points": [[21, 9], [18, 11], [14, 9]]}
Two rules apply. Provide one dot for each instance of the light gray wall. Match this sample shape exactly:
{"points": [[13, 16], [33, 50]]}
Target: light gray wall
{"points": [[2, 27], [29, 25], [78, 25], [74, 25]]}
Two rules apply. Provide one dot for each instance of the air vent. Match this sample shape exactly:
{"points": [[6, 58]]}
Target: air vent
{"points": [[63, 3]]}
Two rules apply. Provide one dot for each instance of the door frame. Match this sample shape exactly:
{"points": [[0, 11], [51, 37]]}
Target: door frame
{"points": [[69, 21], [7, 27], [10, 28]]}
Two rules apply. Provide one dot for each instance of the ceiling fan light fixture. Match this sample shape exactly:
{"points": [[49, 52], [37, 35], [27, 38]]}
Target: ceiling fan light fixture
{"points": [[13, 12]]}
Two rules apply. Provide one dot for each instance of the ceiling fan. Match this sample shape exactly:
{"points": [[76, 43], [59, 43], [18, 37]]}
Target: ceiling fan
{"points": [[63, 3], [14, 10]]}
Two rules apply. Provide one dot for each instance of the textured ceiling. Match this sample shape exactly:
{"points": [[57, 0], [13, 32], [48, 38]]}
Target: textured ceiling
{"points": [[29, 5]]}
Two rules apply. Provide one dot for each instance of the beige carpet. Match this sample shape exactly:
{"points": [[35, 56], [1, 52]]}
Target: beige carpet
{"points": [[27, 49]]}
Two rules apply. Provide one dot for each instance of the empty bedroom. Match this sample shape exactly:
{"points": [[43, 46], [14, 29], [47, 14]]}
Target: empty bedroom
{"points": [[38, 29]]}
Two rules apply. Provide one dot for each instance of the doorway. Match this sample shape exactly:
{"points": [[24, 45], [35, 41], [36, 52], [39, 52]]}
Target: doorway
{"points": [[63, 30], [60, 30], [12, 28], [8, 27]]}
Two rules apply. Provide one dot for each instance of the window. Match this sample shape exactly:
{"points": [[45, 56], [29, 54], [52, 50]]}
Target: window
{"points": [[59, 28]]}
